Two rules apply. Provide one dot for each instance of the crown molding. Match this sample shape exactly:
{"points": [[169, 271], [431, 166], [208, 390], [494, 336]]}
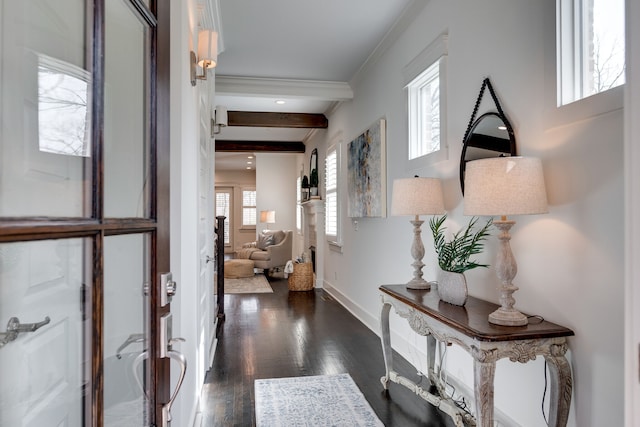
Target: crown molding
{"points": [[399, 27]]}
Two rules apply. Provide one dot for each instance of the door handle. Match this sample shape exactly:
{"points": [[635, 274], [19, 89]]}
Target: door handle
{"points": [[182, 362], [133, 338], [14, 328]]}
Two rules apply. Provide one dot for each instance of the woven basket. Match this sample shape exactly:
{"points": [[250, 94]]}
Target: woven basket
{"points": [[302, 277]]}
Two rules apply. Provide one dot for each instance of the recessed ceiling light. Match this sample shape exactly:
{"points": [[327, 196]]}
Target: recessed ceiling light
{"points": [[280, 102], [249, 157], [249, 163], [502, 127], [249, 167]]}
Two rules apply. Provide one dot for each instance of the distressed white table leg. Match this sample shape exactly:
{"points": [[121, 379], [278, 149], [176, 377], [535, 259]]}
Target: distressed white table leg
{"points": [[431, 353], [484, 373], [560, 395], [385, 337]]}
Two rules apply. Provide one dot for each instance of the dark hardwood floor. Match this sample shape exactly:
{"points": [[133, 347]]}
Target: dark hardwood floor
{"points": [[287, 334]]}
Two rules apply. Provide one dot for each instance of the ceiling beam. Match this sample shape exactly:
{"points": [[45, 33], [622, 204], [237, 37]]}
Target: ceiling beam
{"points": [[277, 120], [288, 88], [224, 145]]}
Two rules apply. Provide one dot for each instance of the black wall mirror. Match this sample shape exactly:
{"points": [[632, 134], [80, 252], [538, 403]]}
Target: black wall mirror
{"points": [[313, 173], [313, 160], [491, 135]]}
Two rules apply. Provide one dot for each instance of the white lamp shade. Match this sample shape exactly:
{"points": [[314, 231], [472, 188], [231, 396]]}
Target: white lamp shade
{"points": [[207, 48], [268, 217], [417, 196], [504, 186]]}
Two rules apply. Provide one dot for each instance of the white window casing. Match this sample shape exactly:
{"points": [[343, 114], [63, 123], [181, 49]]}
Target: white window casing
{"points": [[425, 79]]}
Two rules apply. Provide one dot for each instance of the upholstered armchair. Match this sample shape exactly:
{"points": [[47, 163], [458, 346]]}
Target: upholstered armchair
{"points": [[272, 249]]}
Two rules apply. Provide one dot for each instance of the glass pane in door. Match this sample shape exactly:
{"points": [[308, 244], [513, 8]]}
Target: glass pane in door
{"points": [[126, 267], [43, 325], [126, 113], [45, 129]]}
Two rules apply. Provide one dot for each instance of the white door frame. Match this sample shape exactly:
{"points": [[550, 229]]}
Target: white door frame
{"points": [[632, 215]]}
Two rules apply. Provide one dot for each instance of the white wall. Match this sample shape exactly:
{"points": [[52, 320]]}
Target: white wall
{"points": [[570, 261], [184, 209], [276, 175]]}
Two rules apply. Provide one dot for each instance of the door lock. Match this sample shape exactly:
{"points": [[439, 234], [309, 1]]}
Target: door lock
{"points": [[168, 288]]}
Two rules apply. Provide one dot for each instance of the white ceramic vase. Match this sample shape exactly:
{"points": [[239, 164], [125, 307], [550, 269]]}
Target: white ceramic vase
{"points": [[452, 287]]}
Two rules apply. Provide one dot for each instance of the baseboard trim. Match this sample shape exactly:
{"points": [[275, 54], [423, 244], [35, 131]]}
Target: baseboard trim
{"points": [[369, 321]]}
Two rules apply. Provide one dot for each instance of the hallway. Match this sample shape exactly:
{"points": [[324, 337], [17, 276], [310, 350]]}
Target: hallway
{"points": [[286, 334]]}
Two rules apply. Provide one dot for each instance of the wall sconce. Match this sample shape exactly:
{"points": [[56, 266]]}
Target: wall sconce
{"points": [[219, 120], [207, 55]]}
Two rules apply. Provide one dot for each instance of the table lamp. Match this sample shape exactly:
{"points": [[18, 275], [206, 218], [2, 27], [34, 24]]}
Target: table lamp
{"points": [[503, 186], [417, 196], [268, 217]]}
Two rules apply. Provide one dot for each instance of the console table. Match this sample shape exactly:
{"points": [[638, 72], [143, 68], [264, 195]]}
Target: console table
{"points": [[469, 328]]}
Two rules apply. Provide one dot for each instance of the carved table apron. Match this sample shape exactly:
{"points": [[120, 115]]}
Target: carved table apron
{"points": [[469, 328]]}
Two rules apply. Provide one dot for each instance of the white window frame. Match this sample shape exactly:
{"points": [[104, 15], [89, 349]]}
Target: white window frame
{"points": [[572, 47], [225, 211], [332, 192], [299, 208], [431, 63], [245, 226]]}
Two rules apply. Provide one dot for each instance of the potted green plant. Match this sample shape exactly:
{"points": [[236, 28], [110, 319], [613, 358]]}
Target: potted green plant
{"points": [[454, 257], [313, 183], [305, 188]]}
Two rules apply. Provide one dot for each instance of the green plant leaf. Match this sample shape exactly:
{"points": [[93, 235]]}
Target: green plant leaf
{"points": [[455, 255]]}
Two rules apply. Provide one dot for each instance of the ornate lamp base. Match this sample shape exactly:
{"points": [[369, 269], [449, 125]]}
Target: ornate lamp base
{"points": [[417, 252], [506, 269], [506, 317], [418, 284]]}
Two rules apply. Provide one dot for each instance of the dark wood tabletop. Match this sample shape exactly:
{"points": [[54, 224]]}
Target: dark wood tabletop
{"points": [[473, 318]]}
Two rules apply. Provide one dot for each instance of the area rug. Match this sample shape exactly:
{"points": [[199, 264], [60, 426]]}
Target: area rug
{"points": [[257, 284], [323, 400]]}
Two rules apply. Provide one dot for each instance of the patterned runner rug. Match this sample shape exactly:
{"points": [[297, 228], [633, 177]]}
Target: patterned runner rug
{"points": [[257, 284], [323, 400]]}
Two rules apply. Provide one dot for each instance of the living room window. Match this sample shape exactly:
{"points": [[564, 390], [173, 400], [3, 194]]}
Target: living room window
{"points": [[590, 47], [299, 205], [425, 81], [249, 208], [332, 226], [223, 202]]}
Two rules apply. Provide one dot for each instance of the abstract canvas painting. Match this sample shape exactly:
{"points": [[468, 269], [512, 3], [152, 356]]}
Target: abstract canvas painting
{"points": [[366, 180]]}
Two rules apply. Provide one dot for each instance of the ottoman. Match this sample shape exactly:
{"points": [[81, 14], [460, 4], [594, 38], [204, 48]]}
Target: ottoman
{"points": [[237, 268]]}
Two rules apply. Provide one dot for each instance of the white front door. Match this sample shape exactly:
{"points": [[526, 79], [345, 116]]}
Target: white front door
{"points": [[207, 319], [41, 358]]}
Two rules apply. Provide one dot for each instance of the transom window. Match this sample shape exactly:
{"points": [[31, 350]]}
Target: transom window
{"points": [[424, 113], [425, 81], [590, 47]]}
